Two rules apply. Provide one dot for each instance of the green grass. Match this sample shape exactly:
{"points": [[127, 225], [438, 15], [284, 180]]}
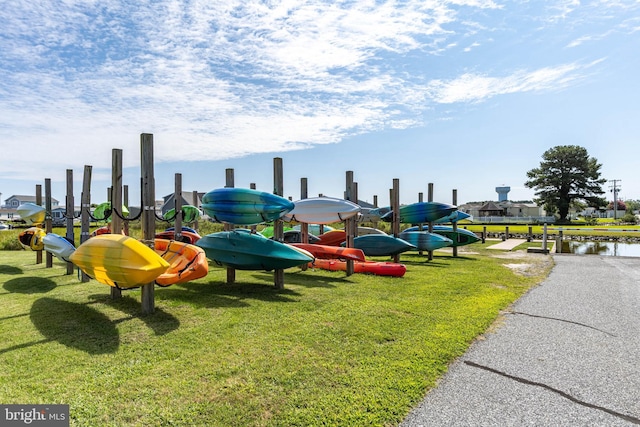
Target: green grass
{"points": [[327, 350]]}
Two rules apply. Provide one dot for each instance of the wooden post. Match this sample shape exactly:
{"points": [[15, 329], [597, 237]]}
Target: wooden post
{"points": [[48, 226], [177, 197], [39, 203], [559, 242], [197, 205], [278, 233], [304, 227], [350, 223], [506, 232], [420, 200], [430, 199], [454, 197], [395, 205], [252, 186], [375, 205], [530, 235], [484, 234], [148, 212], [229, 183], [125, 202], [544, 237], [85, 206], [116, 202], [69, 214]]}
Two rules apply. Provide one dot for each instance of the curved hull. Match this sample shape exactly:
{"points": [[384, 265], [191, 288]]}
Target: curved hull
{"points": [[460, 237], [381, 245], [119, 261], [58, 246], [455, 216], [189, 214], [332, 238], [32, 238], [322, 210], [331, 252], [185, 236], [421, 212], [246, 251], [31, 213], [186, 262], [370, 267], [425, 241], [242, 206]]}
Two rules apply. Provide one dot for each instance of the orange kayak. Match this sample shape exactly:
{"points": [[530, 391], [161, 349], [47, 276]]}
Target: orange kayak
{"points": [[331, 252], [185, 236], [187, 262], [379, 268]]}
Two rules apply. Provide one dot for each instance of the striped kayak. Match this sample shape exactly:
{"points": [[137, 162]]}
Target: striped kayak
{"points": [[378, 268], [455, 216], [421, 212], [247, 251], [186, 262], [460, 236], [119, 261], [243, 206], [425, 241]]}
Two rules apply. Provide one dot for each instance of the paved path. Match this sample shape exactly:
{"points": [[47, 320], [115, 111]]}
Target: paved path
{"points": [[568, 354], [508, 244]]}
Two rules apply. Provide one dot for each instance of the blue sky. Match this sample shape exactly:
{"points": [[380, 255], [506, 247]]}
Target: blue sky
{"points": [[464, 94]]}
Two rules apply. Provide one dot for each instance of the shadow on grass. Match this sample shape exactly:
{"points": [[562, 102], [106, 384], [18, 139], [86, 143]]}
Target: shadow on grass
{"points": [[75, 325], [302, 278], [10, 269], [159, 321], [30, 285]]}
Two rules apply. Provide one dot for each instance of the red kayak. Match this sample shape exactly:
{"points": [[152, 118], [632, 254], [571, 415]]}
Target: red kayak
{"points": [[331, 252], [378, 268], [185, 236], [332, 238]]}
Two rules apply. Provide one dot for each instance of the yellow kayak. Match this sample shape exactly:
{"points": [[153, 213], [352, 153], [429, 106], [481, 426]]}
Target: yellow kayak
{"points": [[119, 261], [32, 238]]}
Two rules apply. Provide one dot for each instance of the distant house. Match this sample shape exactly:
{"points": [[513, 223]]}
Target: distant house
{"points": [[16, 200], [491, 209], [168, 201]]}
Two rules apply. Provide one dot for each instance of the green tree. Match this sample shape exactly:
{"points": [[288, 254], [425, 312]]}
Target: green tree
{"points": [[566, 174]]}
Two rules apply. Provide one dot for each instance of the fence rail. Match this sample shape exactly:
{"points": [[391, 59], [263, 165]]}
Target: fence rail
{"points": [[515, 219]]}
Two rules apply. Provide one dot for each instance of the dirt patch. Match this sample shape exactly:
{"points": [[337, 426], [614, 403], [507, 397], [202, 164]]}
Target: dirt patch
{"points": [[532, 265]]}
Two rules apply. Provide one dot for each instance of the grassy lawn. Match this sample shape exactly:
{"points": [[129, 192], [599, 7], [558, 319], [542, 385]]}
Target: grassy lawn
{"points": [[328, 350]]}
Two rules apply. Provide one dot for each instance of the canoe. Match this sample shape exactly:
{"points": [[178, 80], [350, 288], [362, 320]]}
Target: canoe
{"points": [[381, 245], [322, 210], [421, 212], [102, 212], [189, 214], [243, 206], [378, 268], [425, 241], [32, 238], [185, 236], [331, 252], [248, 251], [119, 261], [186, 262], [58, 246], [455, 216], [460, 237], [31, 213], [332, 238]]}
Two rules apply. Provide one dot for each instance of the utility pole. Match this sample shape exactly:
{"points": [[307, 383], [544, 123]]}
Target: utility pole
{"points": [[614, 189]]}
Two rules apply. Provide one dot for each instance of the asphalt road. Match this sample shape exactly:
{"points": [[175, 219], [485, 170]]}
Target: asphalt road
{"points": [[568, 354]]}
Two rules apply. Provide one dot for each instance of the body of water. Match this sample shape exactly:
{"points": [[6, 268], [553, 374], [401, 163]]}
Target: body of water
{"points": [[601, 248]]}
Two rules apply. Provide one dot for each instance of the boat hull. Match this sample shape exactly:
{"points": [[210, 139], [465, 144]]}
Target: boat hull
{"points": [[322, 210], [378, 268], [185, 236], [119, 261], [32, 238], [421, 212], [31, 213], [58, 246], [381, 245], [247, 251], [331, 252], [459, 237], [425, 241], [242, 206], [186, 262], [332, 238]]}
